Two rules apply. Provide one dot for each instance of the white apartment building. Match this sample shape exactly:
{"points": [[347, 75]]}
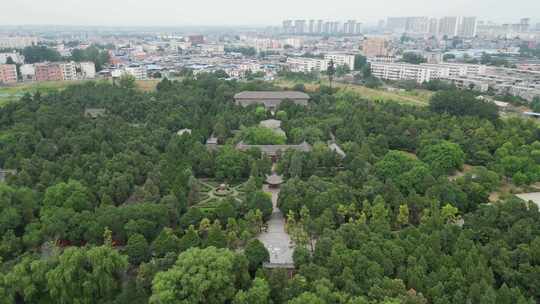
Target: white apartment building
{"points": [[467, 27], [137, 71], [434, 57], [16, 57], [402, 71], [341, 59], [69, 71], [88, 70], [28, 72], [469, 83], [448, 26], [433, 26], [306, 65], [459, 69]]}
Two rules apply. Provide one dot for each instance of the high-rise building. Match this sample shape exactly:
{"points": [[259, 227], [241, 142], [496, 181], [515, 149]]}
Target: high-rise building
{"points": [[467, 27], [381, 24], [433, 27], [525, 24], [448, 26], [8, 73], [335, 27], [418, 25], [327, 27], [288, 27], [311, 28], [348, 27], [396, 24], [358, 28], [319, 27], [352, 27], [300, 26]]}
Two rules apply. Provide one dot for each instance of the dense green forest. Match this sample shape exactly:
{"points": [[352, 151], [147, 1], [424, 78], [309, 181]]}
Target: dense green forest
{"points": [[115, 209]]}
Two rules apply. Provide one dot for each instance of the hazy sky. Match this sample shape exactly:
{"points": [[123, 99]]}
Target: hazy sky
{"points": [[248, 12]]}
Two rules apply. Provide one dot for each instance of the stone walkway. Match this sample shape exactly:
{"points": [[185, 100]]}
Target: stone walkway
{"points": [[275, 239]]}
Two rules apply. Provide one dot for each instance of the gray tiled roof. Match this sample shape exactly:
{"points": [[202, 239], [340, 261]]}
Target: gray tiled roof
{"points": [[271, 95], [94, 112], [273, 149], [274, 179]]}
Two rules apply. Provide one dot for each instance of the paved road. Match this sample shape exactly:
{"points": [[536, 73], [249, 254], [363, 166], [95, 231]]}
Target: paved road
{"points": [[276, 240]]}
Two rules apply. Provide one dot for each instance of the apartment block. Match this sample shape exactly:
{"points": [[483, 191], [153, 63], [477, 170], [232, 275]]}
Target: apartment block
{"points": [[467, 27], [469, 83], [375, 47], [28, 72], [459, 69], [341, 59], [416, 25], [401, 71], [352, 27], [433, 26], [319, 27], [69, 71], [137, 71], [300, 26], [8, 73], [306, 65], [396, 24], [288, 27], [49, 72], [448, 26], [311, 26], [88, 70]]}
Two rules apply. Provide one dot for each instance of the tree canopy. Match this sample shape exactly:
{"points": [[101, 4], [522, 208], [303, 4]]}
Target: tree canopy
{"points": [[416, 205]]}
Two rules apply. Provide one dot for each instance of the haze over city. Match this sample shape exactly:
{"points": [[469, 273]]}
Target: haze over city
{"points": [[245, 12]]}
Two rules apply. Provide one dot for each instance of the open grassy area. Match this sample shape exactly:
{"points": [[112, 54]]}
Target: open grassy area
{"points": [[147, 85], [414, 97], [13, 93]]}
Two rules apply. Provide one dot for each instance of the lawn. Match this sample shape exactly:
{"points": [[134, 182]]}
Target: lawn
{"points": [[148, 85], [414, 97], [13, 93]]}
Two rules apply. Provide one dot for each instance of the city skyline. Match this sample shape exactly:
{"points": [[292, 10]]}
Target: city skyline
{"points": [[243, 12]]}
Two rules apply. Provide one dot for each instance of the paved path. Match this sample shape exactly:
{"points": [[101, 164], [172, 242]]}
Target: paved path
{"points": [[275, 239]]}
